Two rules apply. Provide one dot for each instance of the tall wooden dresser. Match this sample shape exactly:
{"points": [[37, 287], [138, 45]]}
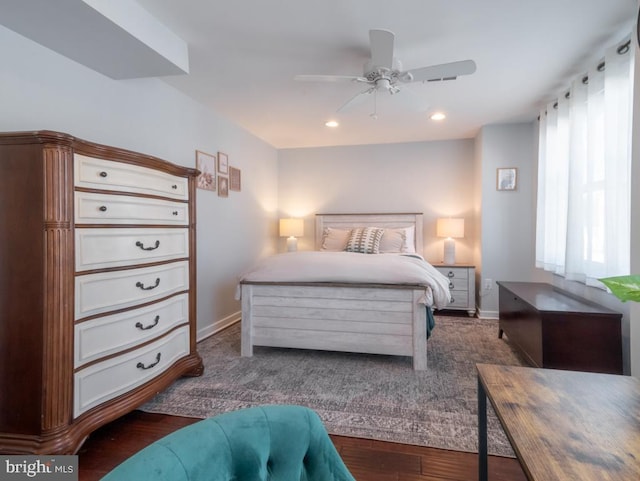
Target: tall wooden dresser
{"points": [[97, 286]]}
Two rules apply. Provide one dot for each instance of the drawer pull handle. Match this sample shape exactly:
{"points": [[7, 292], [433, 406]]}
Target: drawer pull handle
{"points": [[174, 186], [141, 285], [451, 286], [103, 174], [150, 326], [142, 366], [450, 274], [175, 212], [141, 245], [453, 300], [102, 208]]}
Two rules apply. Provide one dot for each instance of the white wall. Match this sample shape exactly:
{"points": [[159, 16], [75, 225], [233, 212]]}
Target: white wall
{"points": [[507, 242], [40, 89], [434, 178]]}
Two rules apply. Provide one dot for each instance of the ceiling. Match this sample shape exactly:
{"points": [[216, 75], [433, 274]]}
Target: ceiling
{"points": [[244, 54]]}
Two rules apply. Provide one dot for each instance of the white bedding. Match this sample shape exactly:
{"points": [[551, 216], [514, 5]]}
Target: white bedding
{"points": [[348, 267]]}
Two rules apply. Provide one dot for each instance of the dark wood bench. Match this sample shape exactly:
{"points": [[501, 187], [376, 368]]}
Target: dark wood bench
{"points": [[552, 328]]}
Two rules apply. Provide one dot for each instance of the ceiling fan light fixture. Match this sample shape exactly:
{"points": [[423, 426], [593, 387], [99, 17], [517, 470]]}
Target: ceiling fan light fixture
{"points": [[331, 123], [437, 116]]}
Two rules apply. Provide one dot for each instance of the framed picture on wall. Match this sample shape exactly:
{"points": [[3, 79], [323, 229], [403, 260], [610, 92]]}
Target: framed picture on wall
{"points": [[506, 178], [223, 163], [234, 179], [223, 186], [206, 164]]}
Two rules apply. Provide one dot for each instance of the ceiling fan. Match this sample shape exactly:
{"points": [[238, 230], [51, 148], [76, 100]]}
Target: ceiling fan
{"points": [[383, 72]]}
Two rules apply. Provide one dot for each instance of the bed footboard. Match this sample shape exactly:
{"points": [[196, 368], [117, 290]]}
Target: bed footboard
{"points": [[366, 319]]}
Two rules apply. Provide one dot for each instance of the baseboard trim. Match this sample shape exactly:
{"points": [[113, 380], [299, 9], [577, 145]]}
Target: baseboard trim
{"points": [[482, 314], [218, 326]]}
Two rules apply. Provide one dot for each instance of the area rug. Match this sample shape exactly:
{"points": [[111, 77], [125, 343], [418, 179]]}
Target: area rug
{"points": [[359, 395]]}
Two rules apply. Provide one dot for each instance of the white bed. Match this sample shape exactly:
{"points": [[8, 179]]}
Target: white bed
{"points": [[352, 316]]}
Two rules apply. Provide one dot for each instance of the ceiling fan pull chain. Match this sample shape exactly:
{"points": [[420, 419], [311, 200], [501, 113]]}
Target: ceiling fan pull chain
{"points": [[374, 115]]}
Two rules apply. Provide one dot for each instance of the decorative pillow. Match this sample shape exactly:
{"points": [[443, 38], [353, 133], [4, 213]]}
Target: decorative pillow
{"points": [[365, 240], [398, 240], [335, 239]]}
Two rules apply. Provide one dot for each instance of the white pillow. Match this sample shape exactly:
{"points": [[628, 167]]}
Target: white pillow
{"points": [[335, 239], [398, 240], [410, 247]]}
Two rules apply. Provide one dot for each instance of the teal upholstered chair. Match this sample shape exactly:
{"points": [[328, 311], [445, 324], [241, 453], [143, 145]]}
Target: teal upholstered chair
{"points": [[275, 443]]}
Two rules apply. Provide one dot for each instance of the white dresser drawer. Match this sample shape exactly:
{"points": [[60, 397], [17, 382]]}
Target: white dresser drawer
{"points": [[92, 173], [91, 208], [108, 379], [109, 291], [111, 334], [104, 248]]}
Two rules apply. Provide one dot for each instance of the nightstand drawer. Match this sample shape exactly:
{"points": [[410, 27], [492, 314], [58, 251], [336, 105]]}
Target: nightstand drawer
{"points": [[454, 272], [459, 300]]}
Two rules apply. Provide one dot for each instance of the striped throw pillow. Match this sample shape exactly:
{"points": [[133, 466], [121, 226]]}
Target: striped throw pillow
{"points": [[365, 240]]}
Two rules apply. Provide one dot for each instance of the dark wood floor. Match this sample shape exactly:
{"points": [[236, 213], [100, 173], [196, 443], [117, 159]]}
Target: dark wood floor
{"points": [[366, 459]]}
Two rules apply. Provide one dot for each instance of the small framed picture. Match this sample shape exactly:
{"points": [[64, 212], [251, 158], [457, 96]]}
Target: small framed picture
{"points": [[206, 164], [223, 186], [223, 163], [507, 178], [234, 179]]}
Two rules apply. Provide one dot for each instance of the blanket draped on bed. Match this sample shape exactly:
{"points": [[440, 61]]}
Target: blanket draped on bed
{"points": [[350, 267], [431, 321]]}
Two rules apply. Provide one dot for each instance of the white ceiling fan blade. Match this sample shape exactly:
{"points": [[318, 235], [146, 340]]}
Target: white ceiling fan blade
{"points": [[381, 48], [329, 78], [442, 71], [356, 99]]}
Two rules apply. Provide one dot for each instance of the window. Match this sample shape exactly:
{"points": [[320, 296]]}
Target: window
{"points": [[584, 165]]}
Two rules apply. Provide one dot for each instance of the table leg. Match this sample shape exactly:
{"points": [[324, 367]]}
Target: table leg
{"points": [[482, 433]]}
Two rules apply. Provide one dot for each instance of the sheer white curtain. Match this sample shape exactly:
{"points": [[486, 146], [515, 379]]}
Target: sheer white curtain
{"points": [[584, 165]]}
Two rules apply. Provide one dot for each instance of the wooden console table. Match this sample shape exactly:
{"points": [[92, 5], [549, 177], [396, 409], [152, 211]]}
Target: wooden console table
{"points": [[552, 328], [563, 425]]}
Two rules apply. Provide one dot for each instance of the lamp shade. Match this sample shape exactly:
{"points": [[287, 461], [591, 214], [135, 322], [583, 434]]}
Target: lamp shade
{"points": [[291, 227], [448, 227]]}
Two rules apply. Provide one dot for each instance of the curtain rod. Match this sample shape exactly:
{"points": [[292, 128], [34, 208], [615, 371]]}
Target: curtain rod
{"points": [[621, 50]]}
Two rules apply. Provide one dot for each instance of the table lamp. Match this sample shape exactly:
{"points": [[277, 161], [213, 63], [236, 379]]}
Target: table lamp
{"points": [[450, 228], [291, 229]]}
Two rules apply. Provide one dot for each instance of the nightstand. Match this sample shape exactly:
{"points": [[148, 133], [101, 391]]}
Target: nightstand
{"points": [[462, 284]]}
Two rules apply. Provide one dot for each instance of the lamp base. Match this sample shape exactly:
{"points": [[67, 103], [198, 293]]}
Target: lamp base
{"points": [[449, 251], [292, 244]]}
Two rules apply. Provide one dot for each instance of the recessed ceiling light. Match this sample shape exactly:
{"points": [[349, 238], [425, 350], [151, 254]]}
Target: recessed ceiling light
{"points": [[331, 123], [438, 116]]}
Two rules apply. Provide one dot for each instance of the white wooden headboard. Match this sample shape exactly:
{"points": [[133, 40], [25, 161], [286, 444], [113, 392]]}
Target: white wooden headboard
{"points": [[389, 221]]}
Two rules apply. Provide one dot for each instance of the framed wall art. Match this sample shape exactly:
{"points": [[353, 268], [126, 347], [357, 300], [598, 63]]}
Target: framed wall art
{"points": [[206, 164], [506, 178], [234, 179], [223, 163], [223, 186]]}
